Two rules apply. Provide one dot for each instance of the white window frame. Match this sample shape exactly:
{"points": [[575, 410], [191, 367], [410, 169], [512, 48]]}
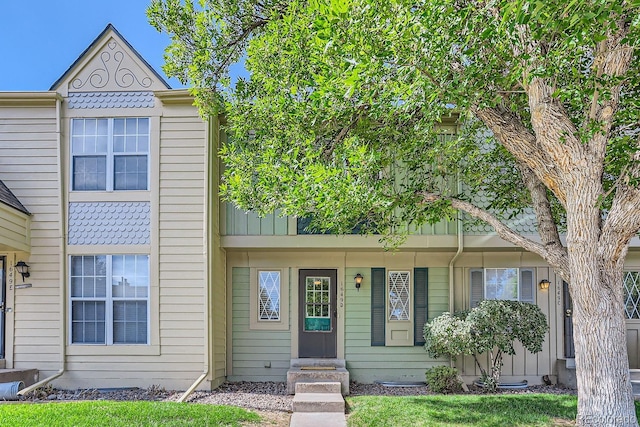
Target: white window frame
{"points": [[407, 305], [109, 155], [109, 299], [279, 303], [517, 275], [628, 299], [255, 323]]}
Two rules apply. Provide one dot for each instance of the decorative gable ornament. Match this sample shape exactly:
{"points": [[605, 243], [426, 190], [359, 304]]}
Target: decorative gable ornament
{"points": [[112, 66], [109, 64]]}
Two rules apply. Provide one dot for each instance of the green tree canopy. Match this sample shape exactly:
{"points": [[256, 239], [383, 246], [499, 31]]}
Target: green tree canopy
{"points": [[342, 120]]}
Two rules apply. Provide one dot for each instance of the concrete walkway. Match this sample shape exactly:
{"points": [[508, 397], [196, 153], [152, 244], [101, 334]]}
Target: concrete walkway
{"points": [[318, 404], [318, 419]]}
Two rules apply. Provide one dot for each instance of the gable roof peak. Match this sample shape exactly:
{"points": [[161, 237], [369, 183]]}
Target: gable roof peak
{"points": [[110, 63]]}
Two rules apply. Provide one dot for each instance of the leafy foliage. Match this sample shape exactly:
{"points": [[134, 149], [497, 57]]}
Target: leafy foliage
{"points": [[443, 379], [343, 94], [346, 114], [492, 327]]}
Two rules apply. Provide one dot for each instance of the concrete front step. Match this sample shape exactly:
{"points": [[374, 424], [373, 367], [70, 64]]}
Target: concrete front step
{"points": [[635, 386], [27, 376], [634, 374], [316, 419], [319, 387], [298, 375], [319, 363], [318, 402]]}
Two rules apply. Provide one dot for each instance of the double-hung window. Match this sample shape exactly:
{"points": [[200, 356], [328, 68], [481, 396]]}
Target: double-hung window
{"points": [[110, 154], [515, 284], [109, 299]]}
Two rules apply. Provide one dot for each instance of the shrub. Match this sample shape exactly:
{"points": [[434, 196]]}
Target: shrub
{"points": [[490, 328], [443, 379]]}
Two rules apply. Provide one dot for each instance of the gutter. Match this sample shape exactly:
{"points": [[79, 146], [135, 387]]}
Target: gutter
{"points": [[207, 240], [63, 258]]}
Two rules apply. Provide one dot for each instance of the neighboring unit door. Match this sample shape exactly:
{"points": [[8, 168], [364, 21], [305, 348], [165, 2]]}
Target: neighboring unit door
{"points": [[3, 299], [569, 350], [317, 313]]}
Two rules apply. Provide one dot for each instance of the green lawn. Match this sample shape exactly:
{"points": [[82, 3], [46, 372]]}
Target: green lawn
{"points": [[463, 410], [125, 414]]}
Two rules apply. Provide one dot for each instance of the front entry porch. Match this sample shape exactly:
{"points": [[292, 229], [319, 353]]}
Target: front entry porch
{"points": [[308, 370]]}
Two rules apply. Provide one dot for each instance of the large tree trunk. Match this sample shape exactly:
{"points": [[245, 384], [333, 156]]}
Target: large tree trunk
{"points": [[605, 397]]}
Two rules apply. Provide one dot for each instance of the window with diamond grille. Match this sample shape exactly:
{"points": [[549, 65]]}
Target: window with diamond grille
{"points": [[632, 294], [269, 295], [399, 295]]}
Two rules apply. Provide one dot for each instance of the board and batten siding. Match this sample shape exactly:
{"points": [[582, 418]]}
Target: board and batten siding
{"points": [[523, 365], [253, 349], [368, 363], [241, 223], [29, 167]]}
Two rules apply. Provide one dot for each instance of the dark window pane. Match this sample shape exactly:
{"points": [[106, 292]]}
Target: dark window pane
{"points": [[89, 173], [130, 173]]}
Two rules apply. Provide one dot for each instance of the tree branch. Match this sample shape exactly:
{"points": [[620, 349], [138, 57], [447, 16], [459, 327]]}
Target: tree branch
{"points": [[524, 146], [502, 230], [621, 225], [547, 227]]}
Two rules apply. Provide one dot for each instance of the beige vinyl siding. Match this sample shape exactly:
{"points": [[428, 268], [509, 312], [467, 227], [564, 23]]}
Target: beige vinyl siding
{"points": [[15, 229], [253, 349], [404, 363], [217, 264], [175, 357], [182, 231], [29, 167]]}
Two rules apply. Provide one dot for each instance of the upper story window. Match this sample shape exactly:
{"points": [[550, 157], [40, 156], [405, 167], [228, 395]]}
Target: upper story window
{"points": [[110, 154]]}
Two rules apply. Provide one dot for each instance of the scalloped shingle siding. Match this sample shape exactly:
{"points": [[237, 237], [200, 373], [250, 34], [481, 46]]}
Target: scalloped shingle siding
{"points": [[111, 100], [109, 223]]}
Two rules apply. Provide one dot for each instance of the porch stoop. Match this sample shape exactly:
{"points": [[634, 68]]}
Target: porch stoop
{"points": [[318, 370], [318, 404], [27, 376]]}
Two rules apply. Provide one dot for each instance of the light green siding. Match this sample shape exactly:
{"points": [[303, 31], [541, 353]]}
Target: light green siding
{"points": [[438, 299], [366, 363], [240, 223], [253, 349]]}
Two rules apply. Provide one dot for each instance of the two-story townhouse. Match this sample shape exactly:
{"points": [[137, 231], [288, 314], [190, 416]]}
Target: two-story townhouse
{"points": [[110, 206], [139, 276]]}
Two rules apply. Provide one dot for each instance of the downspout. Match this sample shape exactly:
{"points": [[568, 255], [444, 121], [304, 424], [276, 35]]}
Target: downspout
{"points": [[459, 230], [63, 256], [207, 240]]}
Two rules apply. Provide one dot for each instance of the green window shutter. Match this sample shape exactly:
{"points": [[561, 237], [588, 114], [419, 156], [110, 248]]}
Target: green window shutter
{"points": [[477, 286], [527, 285], [420, 296], [378, 310]]}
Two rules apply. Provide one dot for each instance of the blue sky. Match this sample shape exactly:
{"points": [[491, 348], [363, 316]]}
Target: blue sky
{"points": [[40, 39]]}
